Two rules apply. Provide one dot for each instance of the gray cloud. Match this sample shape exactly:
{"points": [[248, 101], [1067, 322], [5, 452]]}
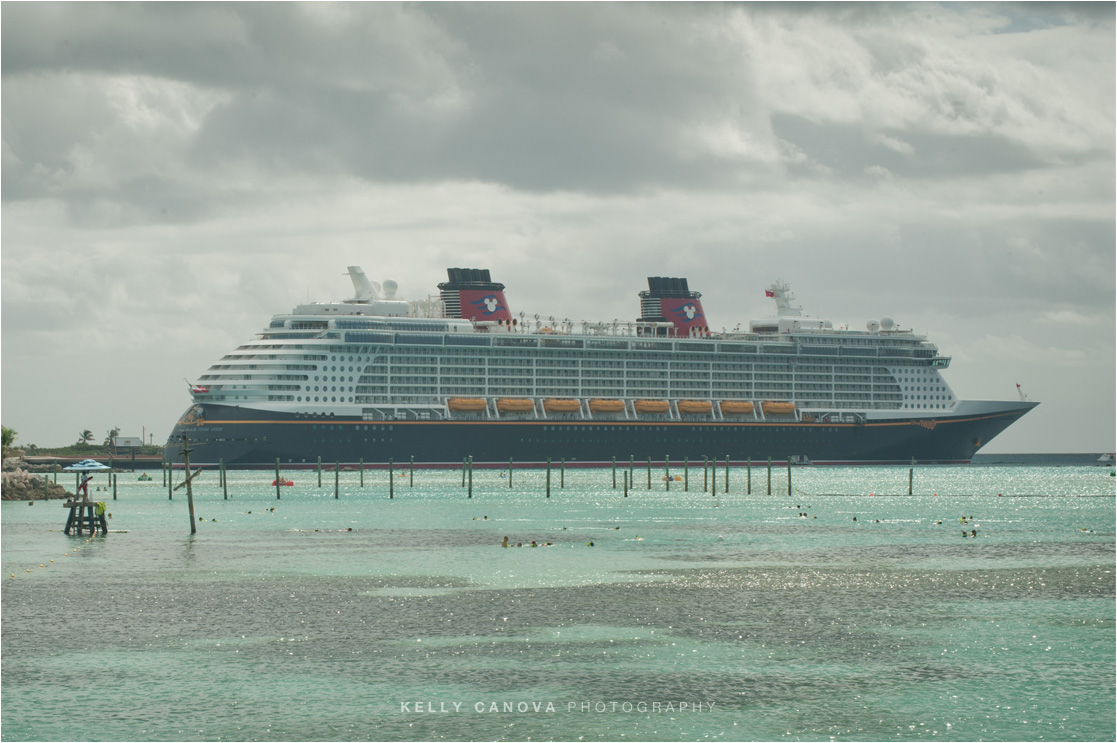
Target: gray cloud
{"points": [[175, 172]]}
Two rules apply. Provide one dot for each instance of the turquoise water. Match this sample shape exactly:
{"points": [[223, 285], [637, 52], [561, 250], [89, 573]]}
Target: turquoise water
{"points": [[692, 616]]}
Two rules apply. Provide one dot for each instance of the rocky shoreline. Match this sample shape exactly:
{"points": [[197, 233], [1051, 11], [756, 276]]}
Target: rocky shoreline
{"points": [[20, 481]]}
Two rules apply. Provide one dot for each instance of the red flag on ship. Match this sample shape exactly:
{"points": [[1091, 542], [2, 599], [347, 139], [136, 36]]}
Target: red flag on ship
{"points": [[198, 388], [769, 293]]}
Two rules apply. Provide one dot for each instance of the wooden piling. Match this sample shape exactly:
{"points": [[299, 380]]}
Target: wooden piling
{"points": [[631, 469], [391, 480], [649, 473], [667, 471], [562, 473], [548, 477], [361, 467], [337, 479], [411, 473], [911, 476], [686, 474], [509, 473], [748, 470], [464, 460], [319, 471], [277, 478], [789, 475], [113, 478], [189, 487], [713, 475], [625, 484], [470, 475], [614, 473], [224, 481], [769, 475], [705, 474]]}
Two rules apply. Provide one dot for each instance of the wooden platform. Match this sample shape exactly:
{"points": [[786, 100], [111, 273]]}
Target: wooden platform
{"points": [[84, 517]]}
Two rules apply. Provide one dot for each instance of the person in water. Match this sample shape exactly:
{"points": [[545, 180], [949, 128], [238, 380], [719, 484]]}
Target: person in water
{"points": [[504, 543]]}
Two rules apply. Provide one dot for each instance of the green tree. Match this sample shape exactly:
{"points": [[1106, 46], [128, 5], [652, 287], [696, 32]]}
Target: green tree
{"points": [[85, 436], [9, 436]]}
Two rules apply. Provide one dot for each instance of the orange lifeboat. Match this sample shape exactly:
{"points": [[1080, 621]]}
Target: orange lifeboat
{"points": [[557, 405], [777, 408], [515, 405], [466, 404], [695, 407], [652, 406], [606, 406], [736, 407], [282, 483]]}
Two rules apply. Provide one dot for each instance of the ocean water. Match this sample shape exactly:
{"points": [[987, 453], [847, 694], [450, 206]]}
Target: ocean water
{"points": [[691, 617]]}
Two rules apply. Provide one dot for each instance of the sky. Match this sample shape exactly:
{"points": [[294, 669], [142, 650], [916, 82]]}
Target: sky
{"points": [[176, 173]]}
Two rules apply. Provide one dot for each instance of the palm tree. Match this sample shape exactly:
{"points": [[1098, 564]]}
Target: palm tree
{"points": [[85, 436], [9, 436]]}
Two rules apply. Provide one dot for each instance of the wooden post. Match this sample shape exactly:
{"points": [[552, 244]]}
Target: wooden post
{"points": [[509, 473], [625, 484], [224, 481], [548, 477], [713, 475], [164, 474], [277, 478], [361, 467], [113, 478], [319, 471], [189, 487], [464, 460], [726, 474], [769, 475], [649, 473], [562, 473], [170, 482], [748, 469], [911, 475], [705, 474], [631, 471], [686, 474], [470, 475], [789, 475], [391, 480], [614, 473], [411, 473], [667, 471]]}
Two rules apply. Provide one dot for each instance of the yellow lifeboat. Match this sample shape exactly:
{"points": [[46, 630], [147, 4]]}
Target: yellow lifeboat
{"points": [[695, 407], [557, 405], [736, 407], [652, 406], [606, 406], [466, 404], [515, 405], [777, 408]]}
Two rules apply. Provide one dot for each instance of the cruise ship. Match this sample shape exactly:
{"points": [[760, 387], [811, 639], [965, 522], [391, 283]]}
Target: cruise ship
{"points": [[436, 381]]}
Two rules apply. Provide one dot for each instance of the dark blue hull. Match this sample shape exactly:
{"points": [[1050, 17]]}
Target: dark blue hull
{"points": [[245, 438]]}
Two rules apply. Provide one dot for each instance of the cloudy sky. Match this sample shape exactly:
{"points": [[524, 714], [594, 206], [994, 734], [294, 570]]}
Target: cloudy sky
{"points": [[174, 174]]}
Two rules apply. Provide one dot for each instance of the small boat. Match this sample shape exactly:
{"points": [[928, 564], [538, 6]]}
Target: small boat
{"points": [[736, 407], [777, 408], [144, 477], [695, 407], [515, 405], [557, 405], [466, 404], [652, 406], [282, 483], [606, 406]]}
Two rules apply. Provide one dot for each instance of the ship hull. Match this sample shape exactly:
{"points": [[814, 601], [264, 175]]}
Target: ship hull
{"points": [[242, 437]]}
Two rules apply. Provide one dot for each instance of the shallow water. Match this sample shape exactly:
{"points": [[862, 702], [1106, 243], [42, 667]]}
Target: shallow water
{"points": [[692, 616]]}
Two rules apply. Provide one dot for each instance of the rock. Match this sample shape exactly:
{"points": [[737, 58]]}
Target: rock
{"points": [[22, 485]]}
